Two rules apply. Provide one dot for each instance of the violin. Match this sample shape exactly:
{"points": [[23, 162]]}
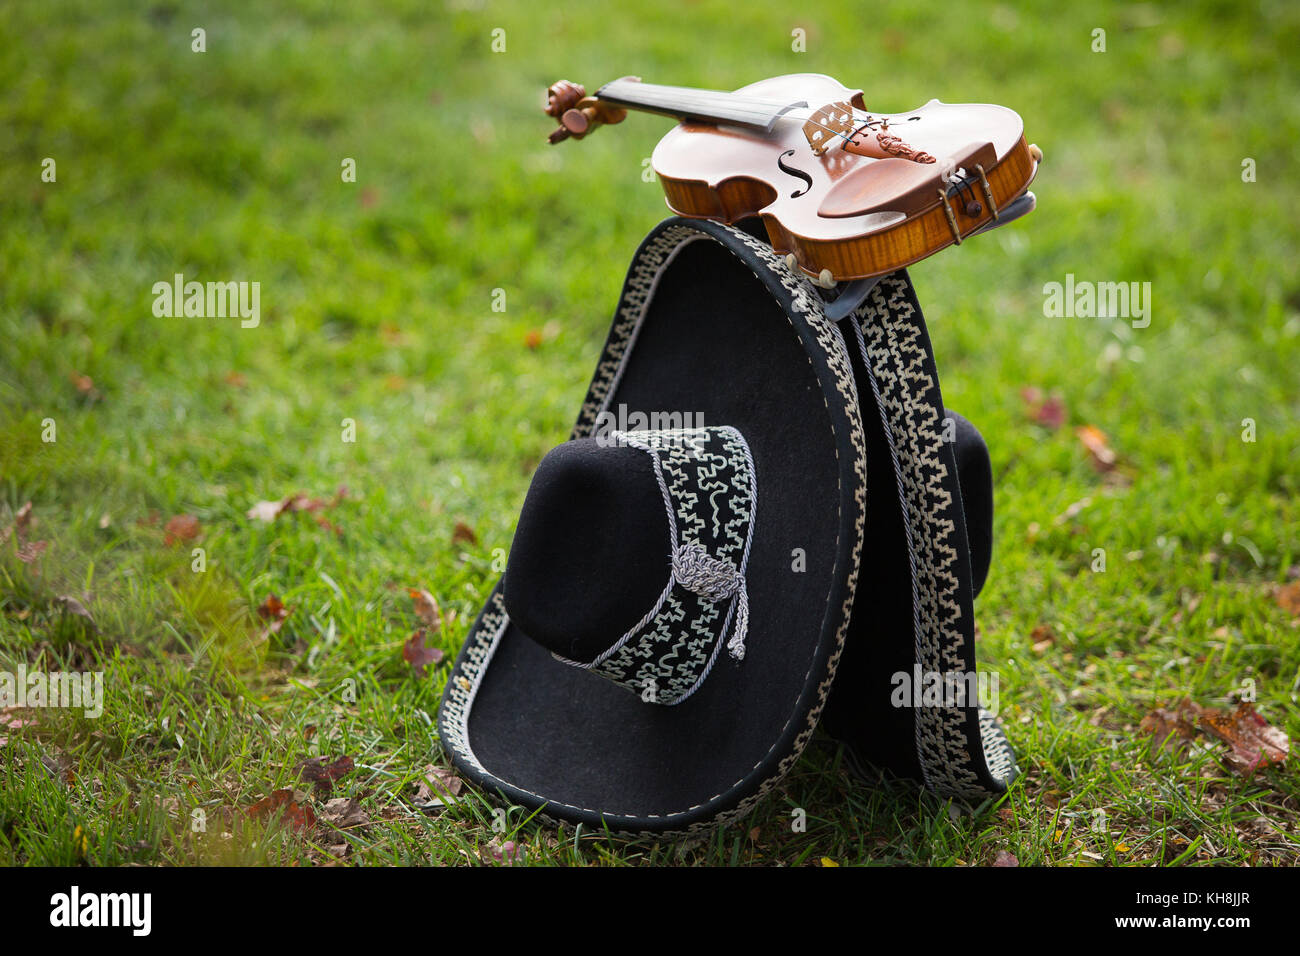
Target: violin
{"points": [[846, 193]]}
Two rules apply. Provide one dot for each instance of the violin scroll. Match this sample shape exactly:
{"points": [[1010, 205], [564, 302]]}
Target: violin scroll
{"points": [[576, 112]]}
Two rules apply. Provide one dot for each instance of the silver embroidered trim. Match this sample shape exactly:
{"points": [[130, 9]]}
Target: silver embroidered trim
{"points": [[706, 476]]}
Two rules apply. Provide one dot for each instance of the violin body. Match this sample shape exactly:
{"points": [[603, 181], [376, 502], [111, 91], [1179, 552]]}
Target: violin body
{"points": [[848, 192]]}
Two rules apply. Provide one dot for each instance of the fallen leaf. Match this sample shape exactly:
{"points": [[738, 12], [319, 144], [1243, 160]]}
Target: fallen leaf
{"points": [[272, 609], [1169, 725], [274, 612], [1041, 638], [31, 550], [344, 813], [437, 787], [181, 528], [20, 526], [82, 383], [59, 766], [328, 525], [299, 816], [1253, 742], [264, 511], [301, 501], [1099, 451], [1287, 597], [418, 656], [321, 772], [298, 501], [80, 843], [1006, 858], [426, 609], [74, 607], [9, 719], [27, 551], [463, 532], [508, 852], [1049, 411]]}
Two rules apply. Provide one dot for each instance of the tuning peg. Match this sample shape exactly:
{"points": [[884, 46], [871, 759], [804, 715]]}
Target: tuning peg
{"points": [[563, 96]]}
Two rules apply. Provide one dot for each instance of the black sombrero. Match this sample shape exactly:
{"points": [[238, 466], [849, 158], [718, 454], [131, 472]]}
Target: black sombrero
{"points": [[908, 697], [678, 591]]}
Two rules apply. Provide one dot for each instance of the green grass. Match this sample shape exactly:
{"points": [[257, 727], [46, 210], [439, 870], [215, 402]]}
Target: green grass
{"points": [[376, 306]]}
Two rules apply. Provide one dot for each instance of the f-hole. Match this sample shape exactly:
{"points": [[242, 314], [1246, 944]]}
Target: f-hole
{"points": [[794, 171]]}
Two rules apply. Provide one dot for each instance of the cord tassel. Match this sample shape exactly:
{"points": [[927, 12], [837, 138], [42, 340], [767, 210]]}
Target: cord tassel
{"points": [[736, 646], [715, 579]]}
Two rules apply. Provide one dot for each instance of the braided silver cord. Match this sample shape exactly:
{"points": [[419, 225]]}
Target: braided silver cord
{"points": [[714, 579]]}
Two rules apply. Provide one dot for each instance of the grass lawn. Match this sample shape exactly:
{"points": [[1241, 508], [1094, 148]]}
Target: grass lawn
{"points": [[377, 323]]}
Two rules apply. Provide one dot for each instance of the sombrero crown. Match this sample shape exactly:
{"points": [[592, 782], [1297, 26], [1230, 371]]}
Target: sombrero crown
{"points": [[608, 520]]}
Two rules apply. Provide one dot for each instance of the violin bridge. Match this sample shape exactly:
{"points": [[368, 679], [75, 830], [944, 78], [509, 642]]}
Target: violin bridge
{"points": [[827, 124]]}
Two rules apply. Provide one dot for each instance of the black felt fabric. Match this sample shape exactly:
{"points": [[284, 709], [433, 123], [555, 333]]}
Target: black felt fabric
{"points": [[717, 344], [975, 478], [882, 635], [592, 550]]}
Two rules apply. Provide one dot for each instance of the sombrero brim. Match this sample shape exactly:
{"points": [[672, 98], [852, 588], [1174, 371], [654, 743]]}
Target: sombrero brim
{"points": [[915, 603], [710, 324]]}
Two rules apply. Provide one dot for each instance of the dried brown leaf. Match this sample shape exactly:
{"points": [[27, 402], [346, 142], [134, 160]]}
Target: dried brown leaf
{"points": [[299, 816], [29, 551], [264, 511], [437, 787], [508, 852], [321, 772], [426, 609], [1253, 742], [74, 607], [344, 813], [22, 521], [1287, 597], [180, 529], [272, 609], [418, 656], [1049, 411], [1101, 455]]}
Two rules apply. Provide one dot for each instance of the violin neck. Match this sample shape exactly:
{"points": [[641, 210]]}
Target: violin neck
{"points": [[685, 103]]}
